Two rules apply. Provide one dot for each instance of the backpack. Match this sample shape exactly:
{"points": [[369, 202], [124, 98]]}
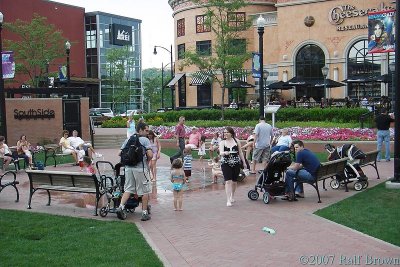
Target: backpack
{"points": [[133, 152]]}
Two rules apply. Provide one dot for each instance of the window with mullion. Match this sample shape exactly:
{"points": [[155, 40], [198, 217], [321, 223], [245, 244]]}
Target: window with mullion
{"points": [[181, 51], [201, 25], [180, 27], [203, 48], [237, 20]]}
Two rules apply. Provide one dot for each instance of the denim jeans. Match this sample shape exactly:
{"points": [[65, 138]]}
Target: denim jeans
{"points": [[383, 136], [279, 148], [180, 151], [302, 175]]}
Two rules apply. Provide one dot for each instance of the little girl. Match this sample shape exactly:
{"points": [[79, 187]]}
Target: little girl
{"points": [[202, 147], [187, 163], [87, 162], [216, 169], [177, 179]]}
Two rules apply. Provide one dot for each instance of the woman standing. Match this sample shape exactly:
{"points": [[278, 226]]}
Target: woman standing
{"points": [[156, 148], [23, 150], [231, 155], [130, 124]]}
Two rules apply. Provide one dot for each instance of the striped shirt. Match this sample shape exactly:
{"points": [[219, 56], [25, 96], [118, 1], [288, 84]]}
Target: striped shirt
{"points": [[187, 162]]}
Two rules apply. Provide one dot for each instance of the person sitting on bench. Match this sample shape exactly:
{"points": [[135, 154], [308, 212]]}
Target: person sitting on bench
{"points": [[79, 144], [194, 139], [5, 153], [67, 148]]}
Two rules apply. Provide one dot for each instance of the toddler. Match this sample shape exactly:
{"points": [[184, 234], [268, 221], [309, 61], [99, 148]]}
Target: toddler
{"points": [[177, 179], [187, 163], [202, 147], [216, 169], [87, 162]]}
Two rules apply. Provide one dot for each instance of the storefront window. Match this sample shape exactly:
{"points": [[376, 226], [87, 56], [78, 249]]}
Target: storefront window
{"points": [[363, 67], [309, 62]]}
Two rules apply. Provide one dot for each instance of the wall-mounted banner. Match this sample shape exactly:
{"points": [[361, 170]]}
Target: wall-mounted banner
{"points": [[381, 32], [62, 73], [121, 34], [8, 64], [255, 65]]}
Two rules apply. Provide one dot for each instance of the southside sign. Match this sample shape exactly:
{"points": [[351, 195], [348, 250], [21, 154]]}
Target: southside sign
{"points": [[338, 14]]}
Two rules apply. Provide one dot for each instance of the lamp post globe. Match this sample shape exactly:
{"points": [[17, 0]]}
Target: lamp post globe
{"points": [[260, 29]]}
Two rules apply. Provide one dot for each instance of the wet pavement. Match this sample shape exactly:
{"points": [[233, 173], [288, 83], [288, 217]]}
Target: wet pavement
{"points": [[207, 233]]}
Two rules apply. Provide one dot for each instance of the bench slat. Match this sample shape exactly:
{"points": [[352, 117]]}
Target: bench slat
{"points": [[67, 188]]}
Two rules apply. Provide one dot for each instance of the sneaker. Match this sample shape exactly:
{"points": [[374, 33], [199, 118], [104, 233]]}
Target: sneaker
{"points": [[121, 213], [98, 155], [145, 216]]}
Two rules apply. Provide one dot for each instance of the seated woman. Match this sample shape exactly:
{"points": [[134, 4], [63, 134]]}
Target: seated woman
{"points": [[5, 153], [283, 142], [23, 150], [248, 147], [194, 139], [66, 147]]}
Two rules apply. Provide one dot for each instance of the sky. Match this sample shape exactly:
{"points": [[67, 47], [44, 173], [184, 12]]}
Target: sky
{"points": [[157, 23]]}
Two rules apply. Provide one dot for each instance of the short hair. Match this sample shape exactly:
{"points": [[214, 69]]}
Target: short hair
{"points": [[298, 142], [87, 160], [141, 126], [176, 164], [262, 118], [187, 150], [2, 138], [65, 132]]}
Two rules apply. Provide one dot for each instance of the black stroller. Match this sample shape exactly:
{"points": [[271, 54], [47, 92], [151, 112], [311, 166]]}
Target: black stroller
{"points": [[113, 180], [352, 171], [270, 181]]}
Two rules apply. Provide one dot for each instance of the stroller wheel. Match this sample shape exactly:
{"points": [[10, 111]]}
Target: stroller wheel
{"points": [[365, 184], [335, 184], [104, 211], [358, 186], [266, 197], [253, 194]]}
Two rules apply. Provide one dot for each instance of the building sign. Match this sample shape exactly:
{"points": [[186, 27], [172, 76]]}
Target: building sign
{"points": [[34, 114], [8, 64], [338, 15], [121, 34], [381, 32]]}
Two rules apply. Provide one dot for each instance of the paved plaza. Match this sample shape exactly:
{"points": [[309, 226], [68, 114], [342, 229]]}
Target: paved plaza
{"points": [[207, 233]]}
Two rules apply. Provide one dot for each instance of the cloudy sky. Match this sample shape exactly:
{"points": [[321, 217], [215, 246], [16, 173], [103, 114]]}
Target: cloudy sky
{"points": [[157, 23]]}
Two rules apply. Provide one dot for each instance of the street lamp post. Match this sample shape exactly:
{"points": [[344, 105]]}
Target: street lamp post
{"points": [[392, 68], [260, 28], [162, 84], [396, 177], [325, 71], [265, 76], [68, 50], [3, 120], [172, 70]]}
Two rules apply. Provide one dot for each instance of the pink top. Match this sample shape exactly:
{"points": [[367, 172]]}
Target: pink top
{"points": [[194, 139]]}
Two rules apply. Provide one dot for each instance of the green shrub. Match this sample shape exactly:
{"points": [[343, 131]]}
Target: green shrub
{"points": [[116, 122]]}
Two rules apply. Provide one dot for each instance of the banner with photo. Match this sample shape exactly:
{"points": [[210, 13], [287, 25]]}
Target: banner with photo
{"points": [[381, 31], [255, 65], [8, 64]]}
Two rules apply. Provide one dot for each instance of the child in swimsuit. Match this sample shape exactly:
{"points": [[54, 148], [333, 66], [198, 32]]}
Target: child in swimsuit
{"points": [[177, 179]]}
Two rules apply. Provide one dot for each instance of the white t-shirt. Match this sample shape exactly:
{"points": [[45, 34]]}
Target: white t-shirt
{"points": [[284, 141], [75, 141]]}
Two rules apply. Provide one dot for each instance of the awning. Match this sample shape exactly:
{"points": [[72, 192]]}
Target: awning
{"points": [[200, 78], [176, 78]]}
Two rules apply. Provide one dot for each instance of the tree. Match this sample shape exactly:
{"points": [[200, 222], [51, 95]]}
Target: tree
{"points": [[40, 43], [118, 79], [152, 88], [224, 57]]}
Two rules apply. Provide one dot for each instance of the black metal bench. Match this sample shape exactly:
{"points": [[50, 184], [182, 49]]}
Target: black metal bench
{"points": [[5, 181], [326, 170], [370, 160], [77, 182], [53, 151]]}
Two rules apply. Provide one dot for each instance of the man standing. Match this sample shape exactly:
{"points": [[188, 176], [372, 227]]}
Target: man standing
{"points": [[180, 138], [262, 140], [137, 176], [383, 121], [307, 163]]}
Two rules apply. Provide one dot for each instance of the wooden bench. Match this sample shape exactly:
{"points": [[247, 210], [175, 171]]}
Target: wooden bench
{"points": [[9, 178], [326, 170], [370, 160], [53, 151], [77, 182]]}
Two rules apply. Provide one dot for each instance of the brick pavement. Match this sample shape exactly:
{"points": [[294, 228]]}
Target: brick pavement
{"points": [[208, 233]]}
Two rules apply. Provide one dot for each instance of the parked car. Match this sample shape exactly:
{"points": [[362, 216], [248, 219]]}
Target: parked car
{"points": [[97, 117], [105, 111], [132, 112]]}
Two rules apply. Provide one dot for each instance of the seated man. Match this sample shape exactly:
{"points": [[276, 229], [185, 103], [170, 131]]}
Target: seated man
{"points": [[66, 147], [283, 142], [194, 139], [307, 164], [79, 144]]}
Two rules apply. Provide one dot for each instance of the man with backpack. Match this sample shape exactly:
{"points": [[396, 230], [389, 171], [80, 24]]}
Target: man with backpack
{"points": [[135, 153]]}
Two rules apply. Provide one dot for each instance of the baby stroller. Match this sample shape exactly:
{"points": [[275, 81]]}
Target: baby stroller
{"points": [[114, 186], [269, 180], [352, 171]]}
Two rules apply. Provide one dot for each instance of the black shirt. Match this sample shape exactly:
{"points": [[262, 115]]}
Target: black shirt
{"points": [[383, 122]]}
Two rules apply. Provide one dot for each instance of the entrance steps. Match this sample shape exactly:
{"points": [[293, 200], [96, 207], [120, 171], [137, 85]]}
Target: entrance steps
{"points": [[108, 141]]}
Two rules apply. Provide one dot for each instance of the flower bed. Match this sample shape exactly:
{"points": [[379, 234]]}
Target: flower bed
{"points": [[311, 133]]}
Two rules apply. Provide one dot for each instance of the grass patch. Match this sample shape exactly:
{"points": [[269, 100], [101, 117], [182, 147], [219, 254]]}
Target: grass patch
{"points": [[375, 212], [34, 239]]}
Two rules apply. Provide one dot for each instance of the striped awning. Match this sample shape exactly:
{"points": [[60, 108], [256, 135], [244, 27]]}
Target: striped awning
{"points": [[176, 78], [200, 78]]}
